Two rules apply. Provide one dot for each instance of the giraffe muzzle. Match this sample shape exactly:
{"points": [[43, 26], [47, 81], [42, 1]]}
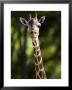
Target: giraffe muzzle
{"points": [[34, 34]]}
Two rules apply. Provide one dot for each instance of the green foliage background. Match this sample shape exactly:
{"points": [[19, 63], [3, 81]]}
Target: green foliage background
{"points": [[22, 58]]}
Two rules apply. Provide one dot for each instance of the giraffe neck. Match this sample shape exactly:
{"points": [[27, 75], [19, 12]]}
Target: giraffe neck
{"points": [[39, 68]]}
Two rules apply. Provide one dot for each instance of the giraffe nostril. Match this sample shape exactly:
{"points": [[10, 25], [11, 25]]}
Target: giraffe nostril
{"points": [[31, 32], [35, 32]]}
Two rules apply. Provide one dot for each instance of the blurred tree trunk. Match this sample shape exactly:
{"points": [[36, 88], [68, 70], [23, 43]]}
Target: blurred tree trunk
{"points": [[22, 54]]}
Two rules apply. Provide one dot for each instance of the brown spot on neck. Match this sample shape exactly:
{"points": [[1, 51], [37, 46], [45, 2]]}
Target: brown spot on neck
{"points": [[37, 52], [41, 74], [34, 50], [36, 61], [34, 44], [39, 58], [41, 65], [37, 68]]}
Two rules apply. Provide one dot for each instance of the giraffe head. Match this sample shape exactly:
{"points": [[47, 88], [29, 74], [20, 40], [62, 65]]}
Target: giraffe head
{"points": [[33, 24]]}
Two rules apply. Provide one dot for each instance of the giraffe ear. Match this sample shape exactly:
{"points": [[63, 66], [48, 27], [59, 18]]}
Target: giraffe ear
{"points": [[23, 21], [41, 20]]}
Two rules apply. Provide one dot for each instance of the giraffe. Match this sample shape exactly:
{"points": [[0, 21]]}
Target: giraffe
{"points": [[33, 25]]}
